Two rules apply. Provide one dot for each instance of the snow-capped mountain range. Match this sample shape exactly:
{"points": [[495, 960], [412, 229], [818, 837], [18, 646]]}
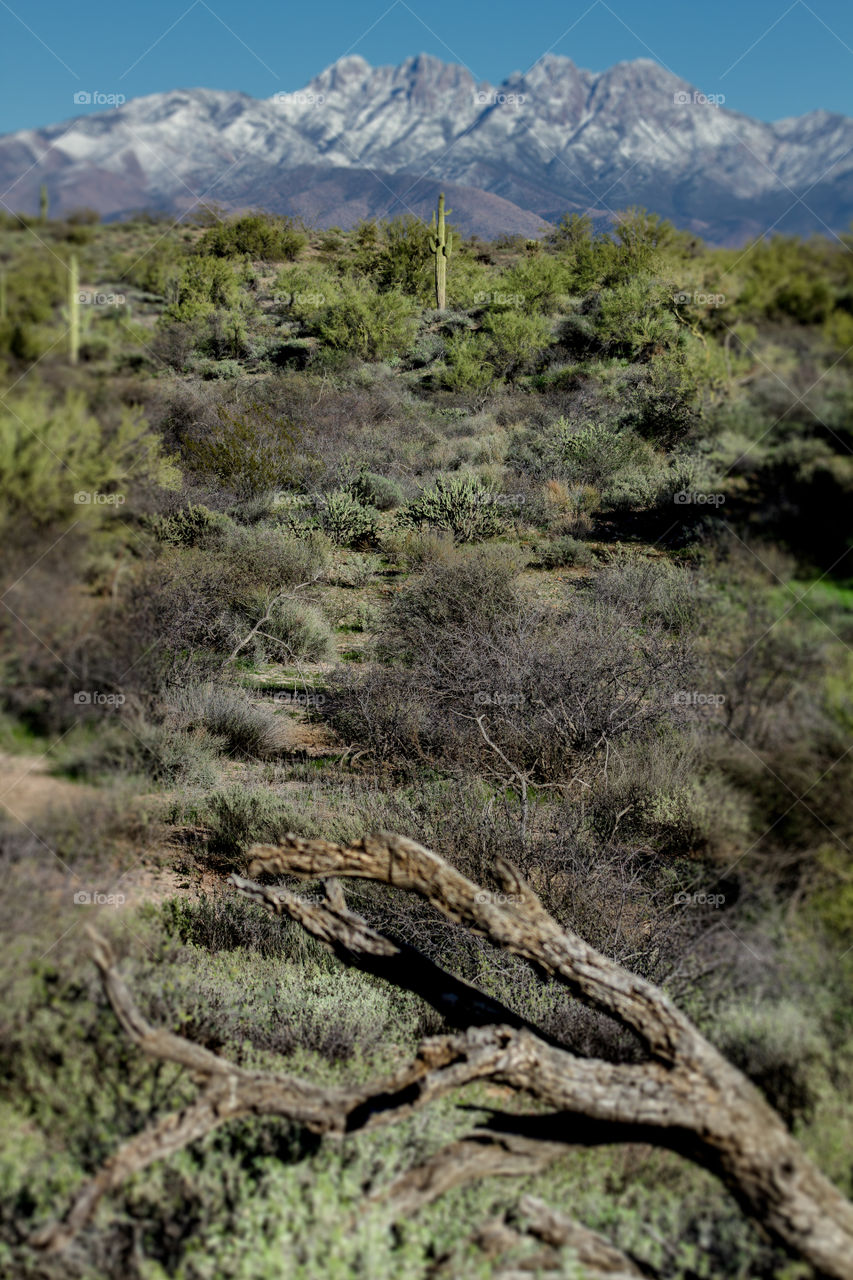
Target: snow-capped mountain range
{"points": [[361, 141]]}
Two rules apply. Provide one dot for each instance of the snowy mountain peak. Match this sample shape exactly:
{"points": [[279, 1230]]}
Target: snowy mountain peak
{"points": [[361, 141]]}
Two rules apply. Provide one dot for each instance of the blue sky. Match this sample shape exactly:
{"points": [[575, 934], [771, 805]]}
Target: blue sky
{"points": [[770, 58]]}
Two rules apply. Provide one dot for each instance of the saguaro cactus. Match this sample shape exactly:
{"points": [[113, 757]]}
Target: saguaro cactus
{"points": [[73, 309], [441, 244], [43, 203]]}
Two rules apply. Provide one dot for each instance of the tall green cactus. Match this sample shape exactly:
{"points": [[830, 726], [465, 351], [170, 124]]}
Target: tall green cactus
{"points": [[43, 202], [4, 306], [441, 244], [73, 310]]}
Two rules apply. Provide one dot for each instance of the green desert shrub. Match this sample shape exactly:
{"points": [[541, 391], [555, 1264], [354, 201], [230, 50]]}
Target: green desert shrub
{"points": [[377, 491], [224, 922], [663, 400], [36, 283], [134, 746], [417, 548], [59, 464], [195, 525], [563, 552], [593, 452], [658, 793], [346, 520], [468, 367], [781, 280], [633, 318], [569, 510], [469, 283], [640, 487], [257, 235], [301, 630], [205, 285], [367, 324], [232, 996], [508, 343], [650, 591], [405, 260], [780, 1046], [228, 714], [237, 816], [224, 337], [515, 339], [357, 570], [219, 370], [652, 480], [460, 504], [157, 269], [252, 452], [535, 284], [273, 557], [304, 290]]}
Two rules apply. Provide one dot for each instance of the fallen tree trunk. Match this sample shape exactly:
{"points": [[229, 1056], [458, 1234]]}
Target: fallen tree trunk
{"points": [[684, 1096]]}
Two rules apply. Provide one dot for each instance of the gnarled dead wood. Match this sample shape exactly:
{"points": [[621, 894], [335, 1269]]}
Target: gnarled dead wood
{"points": [[685, 1096], [556, 1232], [442, 1065], [521, 926], [171, 1134], [480, 1155], [352, 940], [559, 1231], [700, 1103]]}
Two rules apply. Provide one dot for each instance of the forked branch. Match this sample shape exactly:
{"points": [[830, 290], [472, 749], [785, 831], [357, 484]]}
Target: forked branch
{"points": [[685, 1096]]}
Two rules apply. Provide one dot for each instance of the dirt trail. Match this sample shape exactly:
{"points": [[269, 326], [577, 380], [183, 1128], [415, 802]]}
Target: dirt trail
{"points": [[28, 790]]}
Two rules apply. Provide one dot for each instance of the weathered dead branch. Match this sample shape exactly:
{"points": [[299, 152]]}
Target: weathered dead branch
{"points": [[685, 1096]]}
